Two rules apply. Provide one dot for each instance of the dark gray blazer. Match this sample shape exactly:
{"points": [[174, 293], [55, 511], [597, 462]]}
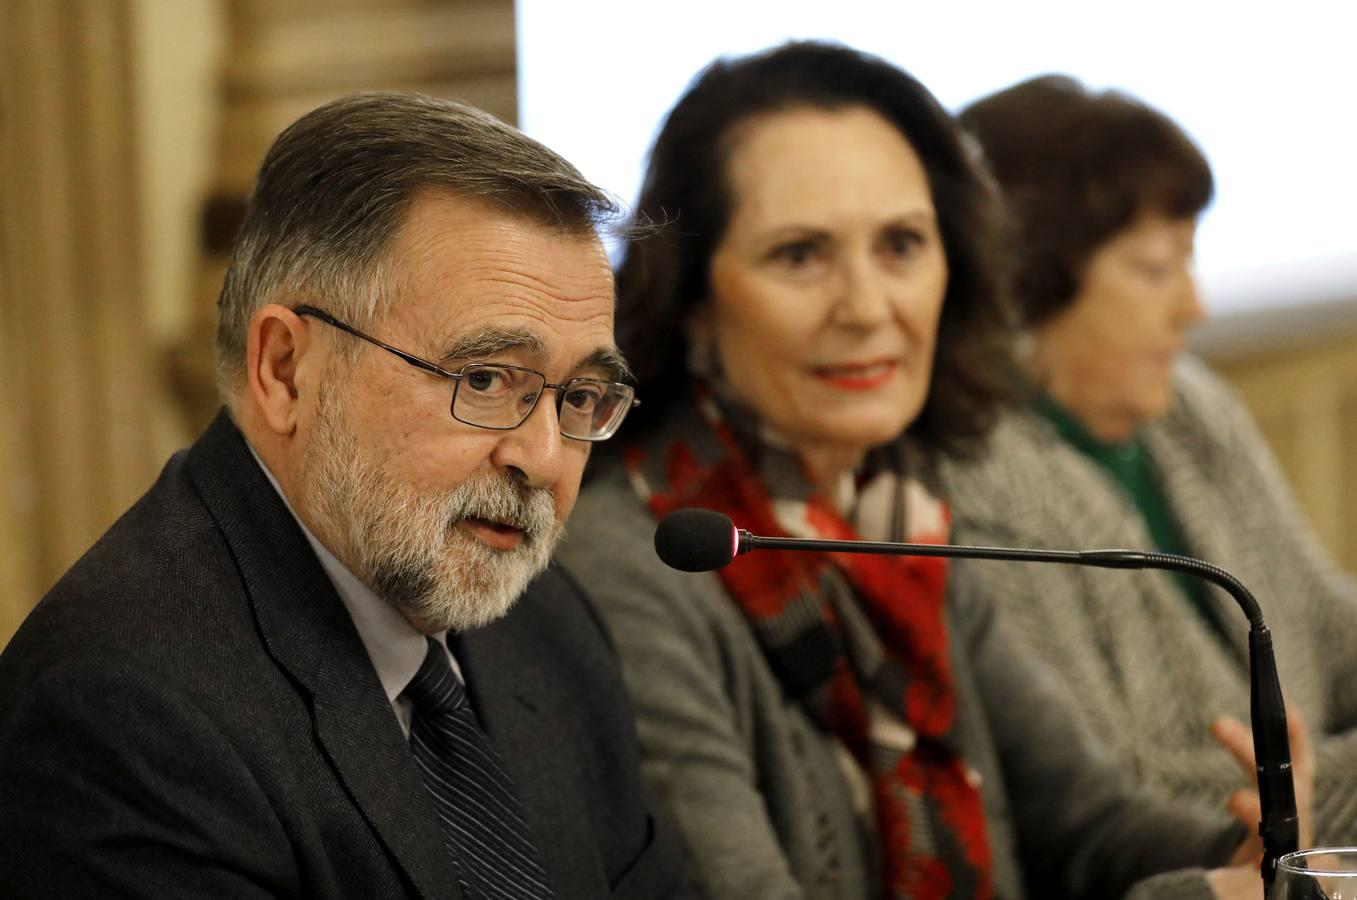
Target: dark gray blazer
{"points": [[190, 712]]}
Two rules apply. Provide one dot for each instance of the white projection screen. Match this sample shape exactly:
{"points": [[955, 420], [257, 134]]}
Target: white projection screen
{"points": [[1267, 91]]}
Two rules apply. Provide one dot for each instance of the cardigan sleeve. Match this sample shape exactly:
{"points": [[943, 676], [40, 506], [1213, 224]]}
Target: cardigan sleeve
{"points": [[1323, 593], [1083, 829]]}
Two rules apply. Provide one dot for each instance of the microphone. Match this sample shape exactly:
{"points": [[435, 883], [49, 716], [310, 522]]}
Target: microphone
{"points": [[701, 540]]}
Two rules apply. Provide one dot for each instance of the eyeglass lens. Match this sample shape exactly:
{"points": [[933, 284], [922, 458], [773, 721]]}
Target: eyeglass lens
{"points": [[500, 397]]}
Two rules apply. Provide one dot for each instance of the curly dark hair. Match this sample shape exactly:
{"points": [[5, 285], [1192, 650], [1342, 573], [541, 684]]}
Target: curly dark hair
{"points": [[686, 193], [1077, 167]]}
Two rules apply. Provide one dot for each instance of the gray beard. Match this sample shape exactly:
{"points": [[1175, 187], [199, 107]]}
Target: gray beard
{"points": [[408, 548]]}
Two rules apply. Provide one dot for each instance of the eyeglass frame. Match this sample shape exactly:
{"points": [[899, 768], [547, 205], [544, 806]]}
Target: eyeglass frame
{"points": [[456, 377]]}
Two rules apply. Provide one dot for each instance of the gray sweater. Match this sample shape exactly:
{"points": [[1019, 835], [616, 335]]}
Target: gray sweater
{"points": [[1144, 671], [759, 793]]}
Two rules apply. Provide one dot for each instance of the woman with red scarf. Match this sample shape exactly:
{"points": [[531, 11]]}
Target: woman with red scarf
{"points": [[814, 313]]}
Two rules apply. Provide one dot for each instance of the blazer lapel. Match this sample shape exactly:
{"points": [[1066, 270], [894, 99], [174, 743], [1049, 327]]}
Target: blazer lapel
{"points": [[309, 633]]}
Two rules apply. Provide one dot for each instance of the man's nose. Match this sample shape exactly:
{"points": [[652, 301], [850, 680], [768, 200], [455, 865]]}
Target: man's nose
{"points": [[535, 447]]}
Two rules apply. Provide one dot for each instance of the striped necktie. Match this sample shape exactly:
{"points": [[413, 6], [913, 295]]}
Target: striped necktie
{"points": [[483, 824]]}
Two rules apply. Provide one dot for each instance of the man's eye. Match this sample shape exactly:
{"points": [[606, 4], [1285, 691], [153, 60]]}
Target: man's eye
{"points": [[584, 397], [485, 381]]}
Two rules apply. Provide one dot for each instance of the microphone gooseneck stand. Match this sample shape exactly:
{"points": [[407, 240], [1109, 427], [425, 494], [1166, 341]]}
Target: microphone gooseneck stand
{"points": [[1279, 826]]}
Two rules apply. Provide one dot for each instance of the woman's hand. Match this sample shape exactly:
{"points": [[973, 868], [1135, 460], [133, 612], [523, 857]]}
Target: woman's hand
{"points": [[1244, 804], [1241, 878], [1239, 882]]}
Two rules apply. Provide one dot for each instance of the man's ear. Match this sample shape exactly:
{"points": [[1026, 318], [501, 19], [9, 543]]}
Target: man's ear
{"points": [[277, 343]]}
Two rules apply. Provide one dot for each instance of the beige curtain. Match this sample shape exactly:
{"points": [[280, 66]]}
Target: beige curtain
{"points": [[76, 367]]}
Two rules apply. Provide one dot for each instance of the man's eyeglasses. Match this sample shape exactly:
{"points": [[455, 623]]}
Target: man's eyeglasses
{"points": [[500, 397]]}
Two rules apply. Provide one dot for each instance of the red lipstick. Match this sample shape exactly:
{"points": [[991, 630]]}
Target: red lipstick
{"points": [[858, 376]]}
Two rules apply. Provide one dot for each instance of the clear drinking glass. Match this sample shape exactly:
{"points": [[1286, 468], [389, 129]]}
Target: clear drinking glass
{"points": [[1316, 875]]}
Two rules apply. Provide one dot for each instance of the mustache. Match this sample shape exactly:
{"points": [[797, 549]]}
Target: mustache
{"points": [[506, 500]]}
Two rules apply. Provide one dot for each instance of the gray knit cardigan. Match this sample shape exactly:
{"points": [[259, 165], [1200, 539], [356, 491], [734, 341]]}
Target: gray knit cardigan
{"points": [[759, 793], [1145, 672]]}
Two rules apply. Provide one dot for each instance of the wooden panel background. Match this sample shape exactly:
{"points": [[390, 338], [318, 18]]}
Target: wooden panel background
{"points": [[1304, 398]]}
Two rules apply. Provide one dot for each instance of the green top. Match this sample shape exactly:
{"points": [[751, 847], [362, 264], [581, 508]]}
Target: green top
{"points": [[1130, 466]]}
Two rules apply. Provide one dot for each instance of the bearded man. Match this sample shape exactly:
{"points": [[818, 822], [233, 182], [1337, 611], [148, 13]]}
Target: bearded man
{"points": [[325, 656]]}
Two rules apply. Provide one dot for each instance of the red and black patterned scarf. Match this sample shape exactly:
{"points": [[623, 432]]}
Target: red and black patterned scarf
{"points": [[859, 640]]}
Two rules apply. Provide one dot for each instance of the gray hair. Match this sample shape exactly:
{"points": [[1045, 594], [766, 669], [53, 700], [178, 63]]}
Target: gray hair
{"points": [[334, 190]]}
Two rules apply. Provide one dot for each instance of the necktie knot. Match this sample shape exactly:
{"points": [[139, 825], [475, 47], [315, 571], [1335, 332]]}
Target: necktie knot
{"points": [[435, 688]]}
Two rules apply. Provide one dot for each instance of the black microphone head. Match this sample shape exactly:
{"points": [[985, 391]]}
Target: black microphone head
{"points": [[696, 540]]}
